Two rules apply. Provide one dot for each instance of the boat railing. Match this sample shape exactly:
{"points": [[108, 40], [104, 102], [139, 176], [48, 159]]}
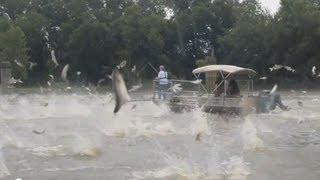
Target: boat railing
{"points": [[191, 94], [189, 89]]}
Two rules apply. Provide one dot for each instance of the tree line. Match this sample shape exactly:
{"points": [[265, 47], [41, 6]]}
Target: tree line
{"points": [[39, 37]]}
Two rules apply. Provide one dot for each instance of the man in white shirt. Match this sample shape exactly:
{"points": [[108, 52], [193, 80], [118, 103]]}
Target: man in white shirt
{"points": [[163, 82]]}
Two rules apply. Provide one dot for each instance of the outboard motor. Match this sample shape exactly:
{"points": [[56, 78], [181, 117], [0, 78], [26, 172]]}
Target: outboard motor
{"points": [[267, 101]]}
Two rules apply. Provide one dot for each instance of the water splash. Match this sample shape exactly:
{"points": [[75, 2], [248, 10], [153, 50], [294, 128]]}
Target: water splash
{"points": [[185, 167], [85, 148], [200, 124], [250, 137], [83, 135], [4, 171], [236, 168], [48, 151]]}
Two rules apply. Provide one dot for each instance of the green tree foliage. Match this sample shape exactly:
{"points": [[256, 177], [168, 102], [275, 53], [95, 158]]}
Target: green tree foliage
{"points": [[13, 8], [297, 34], [197, 25], [140, 37], [246, 43], [34, 25], [13, 48], [259, 40], [95, 35], [90, 48]]}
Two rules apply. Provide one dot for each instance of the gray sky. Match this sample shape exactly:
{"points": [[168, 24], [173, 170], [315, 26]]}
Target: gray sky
{"points": [[271, 5]]}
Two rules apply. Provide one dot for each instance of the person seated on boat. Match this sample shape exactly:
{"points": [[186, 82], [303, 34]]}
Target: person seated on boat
{"points": [[233, 88], [163, 82]]}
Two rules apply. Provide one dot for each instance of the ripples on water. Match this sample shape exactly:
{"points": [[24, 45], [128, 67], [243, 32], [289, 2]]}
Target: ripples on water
{"points": [[76, 136]]}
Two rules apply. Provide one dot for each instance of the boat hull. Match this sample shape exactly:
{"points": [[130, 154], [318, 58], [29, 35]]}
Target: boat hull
{"points": [[235, 106]]}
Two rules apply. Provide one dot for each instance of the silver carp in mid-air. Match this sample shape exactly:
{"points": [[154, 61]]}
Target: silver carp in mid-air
{"points": [[64, 73], [119, 89]]}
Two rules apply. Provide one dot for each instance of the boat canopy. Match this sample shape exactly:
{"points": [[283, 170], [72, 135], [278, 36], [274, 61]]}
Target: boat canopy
{"points": [[226, 69]]}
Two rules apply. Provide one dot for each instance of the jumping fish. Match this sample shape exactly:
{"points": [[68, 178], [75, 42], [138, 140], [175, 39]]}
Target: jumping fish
{"points": [[314, 68], [54, 59], [274, 89], [134, 69], [119, 89], [277, 67], [64, 73], [14, 81], [39, 132], [19, 63], [100, 81], [51, 76], [122, 65], [109, 76], [32, 64], [176, 88]]}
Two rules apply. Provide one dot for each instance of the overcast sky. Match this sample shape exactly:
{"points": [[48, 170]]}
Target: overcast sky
{"points": [[271, 5]]}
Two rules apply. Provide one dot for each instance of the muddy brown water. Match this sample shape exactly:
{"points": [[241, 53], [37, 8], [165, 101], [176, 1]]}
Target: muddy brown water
{"points": [[80, 138]]}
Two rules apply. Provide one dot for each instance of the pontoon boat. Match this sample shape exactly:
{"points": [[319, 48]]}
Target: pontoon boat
{"points": [[213, 94]]}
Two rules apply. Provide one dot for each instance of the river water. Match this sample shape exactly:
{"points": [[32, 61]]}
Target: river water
{"points": [[76, 136]]}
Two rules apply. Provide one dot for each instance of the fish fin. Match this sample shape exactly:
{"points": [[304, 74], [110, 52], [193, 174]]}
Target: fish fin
{"points": [[116, 108]]}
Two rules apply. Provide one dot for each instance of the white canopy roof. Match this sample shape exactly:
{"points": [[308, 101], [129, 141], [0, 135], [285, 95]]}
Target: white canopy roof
{"points": [[229, 69]]}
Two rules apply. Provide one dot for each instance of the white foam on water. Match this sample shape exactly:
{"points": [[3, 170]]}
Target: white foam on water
{"points": [[76, 126], [162, 110], [79, 168], [84, 147], [78, 146], [236, 168], [165, 173], [249, 134], [8, 140], [53, 58], [4, 141], [4, 107], [116, 125], [74, 108], [181, 167], [128, 123], [48, 151], [8, 137], [50, 106], [4, 171], [200, 123], [144, 120], [165, 128], [134, 128], [177, 166]]}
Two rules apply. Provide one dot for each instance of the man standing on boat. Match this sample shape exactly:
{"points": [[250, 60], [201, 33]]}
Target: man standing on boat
{"points": [[163, 82]]}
